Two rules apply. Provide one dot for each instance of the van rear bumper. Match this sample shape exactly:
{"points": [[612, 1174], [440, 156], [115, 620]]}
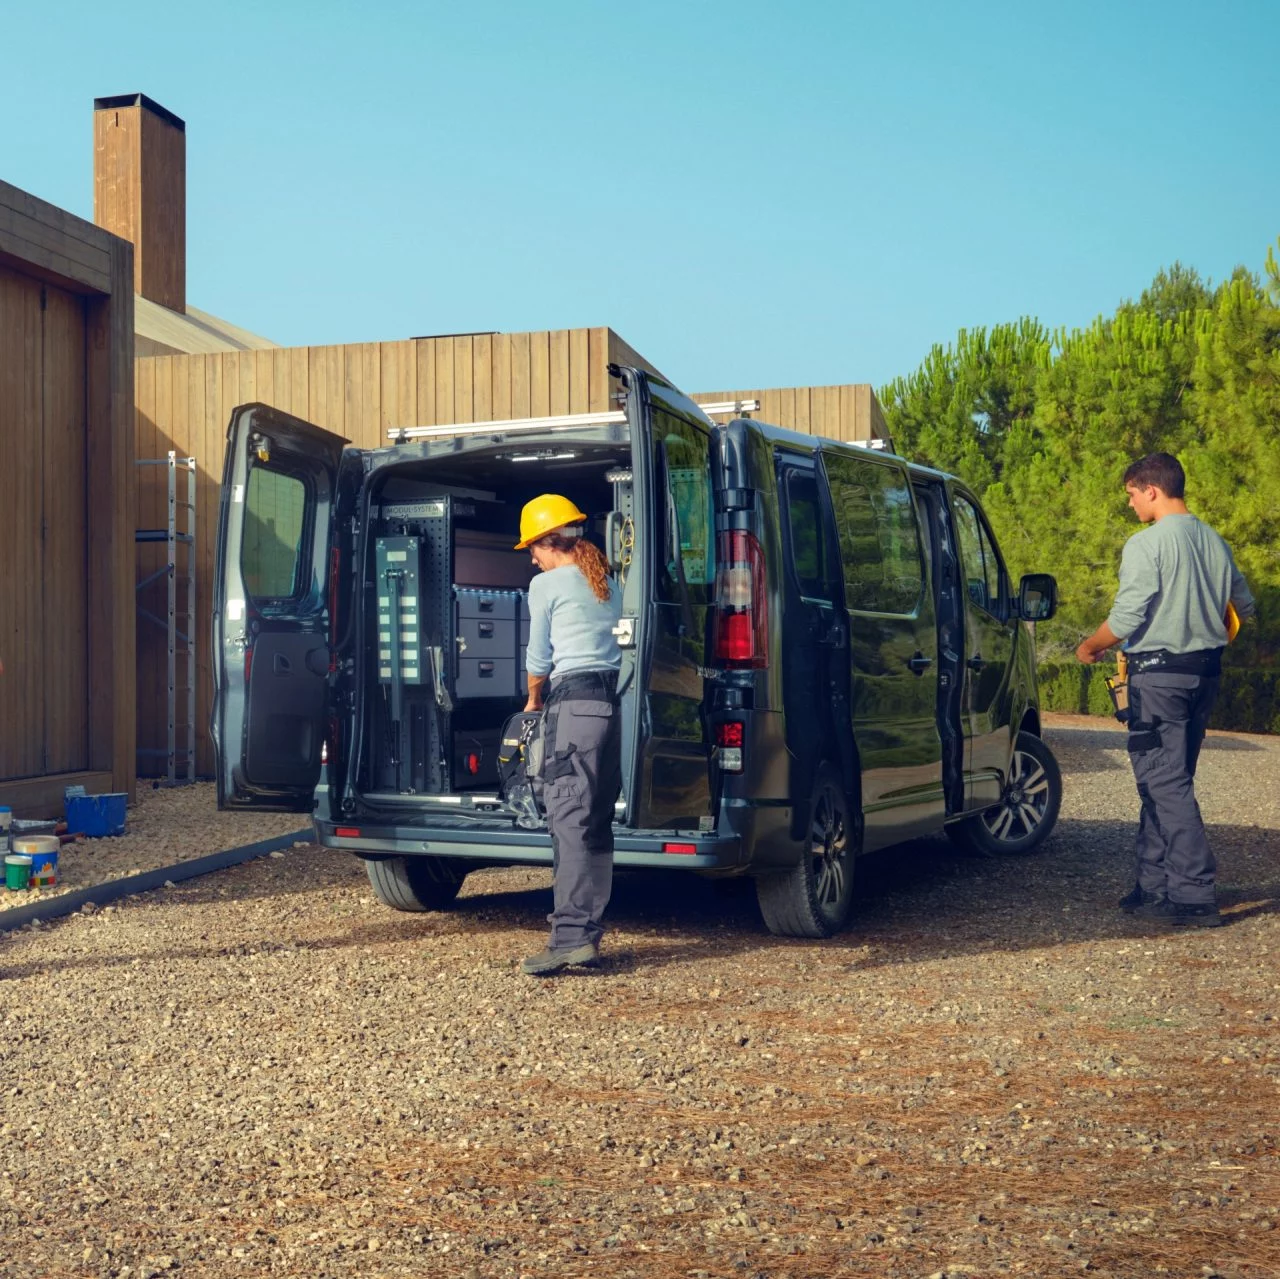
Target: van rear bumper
{"points": [[727, 850]]}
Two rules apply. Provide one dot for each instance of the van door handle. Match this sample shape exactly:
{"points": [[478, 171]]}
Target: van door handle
{"points": [[975, 663], [920, 663]]}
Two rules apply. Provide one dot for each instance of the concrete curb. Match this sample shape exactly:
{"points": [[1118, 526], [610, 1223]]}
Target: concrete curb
{"points": [[113, 889]]}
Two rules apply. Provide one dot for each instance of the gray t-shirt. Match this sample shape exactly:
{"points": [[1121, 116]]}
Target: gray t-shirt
{"points": [[569, 629], [1175, 580]]}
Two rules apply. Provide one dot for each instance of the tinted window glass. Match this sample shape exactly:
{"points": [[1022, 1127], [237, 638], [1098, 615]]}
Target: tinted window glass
{"points": [[271, 556], [879, 535], [684, 480], [978, 556], [808, 545]]}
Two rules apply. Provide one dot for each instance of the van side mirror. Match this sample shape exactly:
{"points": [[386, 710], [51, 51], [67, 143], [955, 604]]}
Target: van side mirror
{"points": [[1037, 597]]}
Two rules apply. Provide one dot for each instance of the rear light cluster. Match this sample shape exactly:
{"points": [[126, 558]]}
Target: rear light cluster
{"points": [[740, 623], [729, 737]]}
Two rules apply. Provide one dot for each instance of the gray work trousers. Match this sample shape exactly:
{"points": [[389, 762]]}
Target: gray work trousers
{"points": [[581, 780], [1169, 714]]}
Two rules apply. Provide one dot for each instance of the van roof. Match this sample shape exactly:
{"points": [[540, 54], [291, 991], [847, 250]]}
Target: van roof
{"points": [[808, 443]]}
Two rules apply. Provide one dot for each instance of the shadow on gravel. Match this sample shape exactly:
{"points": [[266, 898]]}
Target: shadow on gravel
{"points": [[917, 902]]}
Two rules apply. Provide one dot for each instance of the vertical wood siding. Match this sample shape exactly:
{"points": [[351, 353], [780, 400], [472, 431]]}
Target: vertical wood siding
{"points": [[848, 412], [67, 710]]}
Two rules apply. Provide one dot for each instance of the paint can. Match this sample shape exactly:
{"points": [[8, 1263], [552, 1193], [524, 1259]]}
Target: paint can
{"points": [[17, 871], [43, 851]]}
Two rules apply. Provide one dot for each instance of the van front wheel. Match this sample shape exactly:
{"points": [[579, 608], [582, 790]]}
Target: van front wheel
{"points": [[415, 883], [1028, 808], [813, 898]]}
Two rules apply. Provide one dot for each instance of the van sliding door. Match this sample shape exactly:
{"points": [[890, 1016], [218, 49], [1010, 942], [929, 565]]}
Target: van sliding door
{"points": [[893, 645]]}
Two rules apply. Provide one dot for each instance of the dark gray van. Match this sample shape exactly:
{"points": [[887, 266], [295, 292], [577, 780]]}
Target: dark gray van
{"points": [[822, 651]]}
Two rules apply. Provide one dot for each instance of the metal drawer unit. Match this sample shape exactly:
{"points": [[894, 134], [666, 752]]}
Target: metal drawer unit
{"points": [[487, 643]]}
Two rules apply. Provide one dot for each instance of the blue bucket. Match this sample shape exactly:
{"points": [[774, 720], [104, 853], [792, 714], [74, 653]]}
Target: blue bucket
{"points": [[96, 815]]}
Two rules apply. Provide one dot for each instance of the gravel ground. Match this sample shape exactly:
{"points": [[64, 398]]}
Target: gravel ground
{"points": [[264, 1072], [166, 825]]}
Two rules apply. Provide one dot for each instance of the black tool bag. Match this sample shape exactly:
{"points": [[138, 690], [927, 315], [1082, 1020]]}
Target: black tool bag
{"points": [[519, 765]]}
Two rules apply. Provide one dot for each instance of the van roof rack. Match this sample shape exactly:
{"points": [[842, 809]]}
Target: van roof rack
{"points": [[562, 422], [736, 407]]}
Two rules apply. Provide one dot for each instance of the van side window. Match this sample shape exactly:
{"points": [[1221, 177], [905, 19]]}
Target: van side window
{"points": [[808, 545], [684, 493], [271, 555], [978, 555], [879, 535]]}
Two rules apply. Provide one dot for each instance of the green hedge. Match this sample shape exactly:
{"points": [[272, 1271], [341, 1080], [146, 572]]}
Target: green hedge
{"points": [[1248, 701]]}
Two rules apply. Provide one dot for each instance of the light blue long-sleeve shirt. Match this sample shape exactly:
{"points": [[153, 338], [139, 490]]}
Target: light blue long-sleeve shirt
{"points": [[569, 629], [1176, 578]]}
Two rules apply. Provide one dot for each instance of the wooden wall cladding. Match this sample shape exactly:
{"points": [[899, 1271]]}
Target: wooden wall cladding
{"points": [[66, 579]]}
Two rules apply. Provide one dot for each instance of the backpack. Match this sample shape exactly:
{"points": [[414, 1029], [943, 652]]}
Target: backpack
{"points": [[519, 764]]}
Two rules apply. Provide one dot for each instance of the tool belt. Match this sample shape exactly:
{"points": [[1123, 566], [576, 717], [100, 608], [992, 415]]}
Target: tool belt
{"points": [[1118, 688], [1204, 661]]}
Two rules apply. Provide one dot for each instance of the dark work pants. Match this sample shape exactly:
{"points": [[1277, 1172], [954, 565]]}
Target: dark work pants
{"points": [[1169, 716], [581, 781]]}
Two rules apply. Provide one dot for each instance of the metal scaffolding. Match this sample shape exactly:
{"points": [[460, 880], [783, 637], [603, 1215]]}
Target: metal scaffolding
{"points": [[181, 760]]}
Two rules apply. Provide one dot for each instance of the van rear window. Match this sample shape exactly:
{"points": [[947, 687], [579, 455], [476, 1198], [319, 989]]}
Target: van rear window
{"points": [[271, 555]]}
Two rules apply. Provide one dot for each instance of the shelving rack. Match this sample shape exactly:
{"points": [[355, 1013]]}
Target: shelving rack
{"points": [[178, 570]]}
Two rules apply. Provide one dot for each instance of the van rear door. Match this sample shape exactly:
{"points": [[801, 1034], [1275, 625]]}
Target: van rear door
{"points": [[668, 592], [272, 609]]}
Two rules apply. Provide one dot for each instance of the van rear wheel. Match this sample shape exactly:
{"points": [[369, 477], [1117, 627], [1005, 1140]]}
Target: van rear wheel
{"points": [[814, 897], [1028, 808], [415, 883]]}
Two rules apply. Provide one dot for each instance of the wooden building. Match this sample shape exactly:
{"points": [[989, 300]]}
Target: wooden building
{"points": [[66, 510], [848, 412]]}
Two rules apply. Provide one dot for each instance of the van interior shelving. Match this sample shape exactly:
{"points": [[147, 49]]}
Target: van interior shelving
{"points": [[445, 599]]}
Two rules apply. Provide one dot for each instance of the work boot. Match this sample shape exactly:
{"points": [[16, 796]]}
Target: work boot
{"points": [[1183, 914], [1139, 897], [546, 963]]}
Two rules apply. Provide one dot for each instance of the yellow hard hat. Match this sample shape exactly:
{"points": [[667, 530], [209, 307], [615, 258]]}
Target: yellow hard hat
{"points": [[544, 515], [1232, 621]]}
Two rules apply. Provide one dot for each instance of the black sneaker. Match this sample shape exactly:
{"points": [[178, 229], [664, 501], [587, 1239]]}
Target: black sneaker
{"points": [[1138, 898], [546, 963], [1183, 914]]}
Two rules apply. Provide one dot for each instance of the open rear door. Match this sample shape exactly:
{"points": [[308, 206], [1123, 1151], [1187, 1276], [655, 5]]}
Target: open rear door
{"points": [[272, 609], [669, 787]]}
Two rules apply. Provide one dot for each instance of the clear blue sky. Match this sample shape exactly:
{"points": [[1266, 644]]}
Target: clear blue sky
{"points": [[752, 194]]}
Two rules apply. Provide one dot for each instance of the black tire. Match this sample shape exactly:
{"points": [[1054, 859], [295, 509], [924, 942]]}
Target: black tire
{"points": [[814, 897], [1027, 811], [415, 883]]}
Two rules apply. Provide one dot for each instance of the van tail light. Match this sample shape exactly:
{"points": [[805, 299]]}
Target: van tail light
{"points": [[740, 623], [729, 740]]}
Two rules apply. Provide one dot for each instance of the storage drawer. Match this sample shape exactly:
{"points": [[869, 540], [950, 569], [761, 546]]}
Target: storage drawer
{"points": [[485, 677], [486, 637], [498, 605]]}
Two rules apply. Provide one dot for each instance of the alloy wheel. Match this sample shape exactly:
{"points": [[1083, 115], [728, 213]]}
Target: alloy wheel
{"points": [[1025, 801], [829, 848]]}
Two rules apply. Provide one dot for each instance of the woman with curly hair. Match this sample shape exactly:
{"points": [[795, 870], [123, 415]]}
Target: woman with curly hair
{"points": [[574, 606]]}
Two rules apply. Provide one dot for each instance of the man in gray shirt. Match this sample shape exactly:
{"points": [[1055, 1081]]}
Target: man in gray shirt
{"points": [[1176, 579]]}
